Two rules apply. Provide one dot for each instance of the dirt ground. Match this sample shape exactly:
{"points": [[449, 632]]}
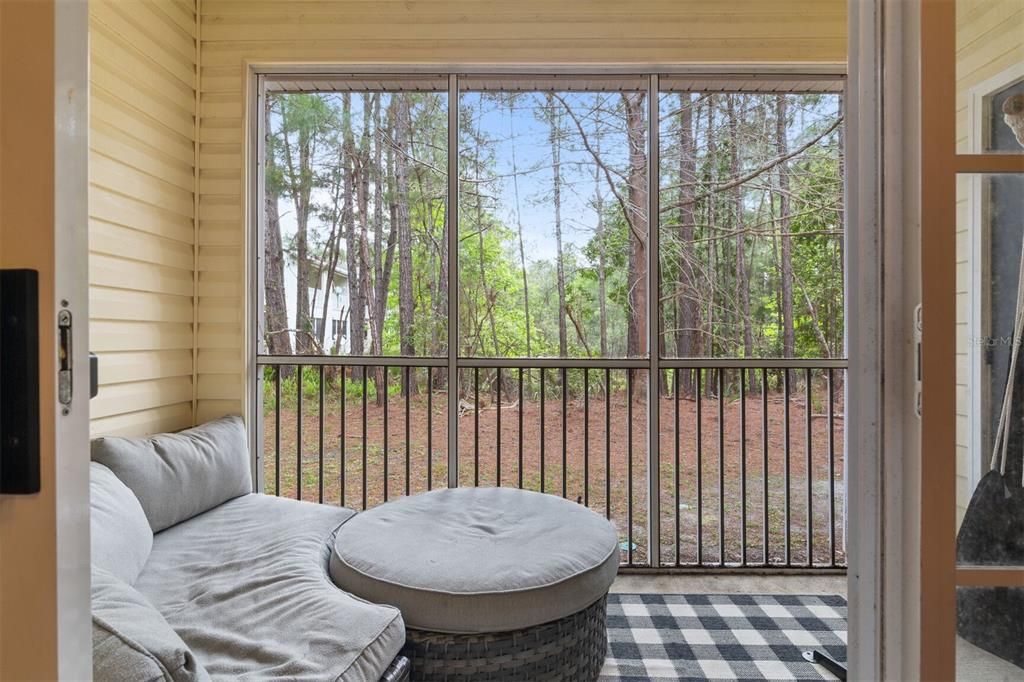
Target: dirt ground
{"points": [[602, 464]]}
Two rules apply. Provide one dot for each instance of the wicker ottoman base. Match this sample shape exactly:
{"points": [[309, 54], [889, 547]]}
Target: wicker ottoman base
{"points": [[571, 649]]}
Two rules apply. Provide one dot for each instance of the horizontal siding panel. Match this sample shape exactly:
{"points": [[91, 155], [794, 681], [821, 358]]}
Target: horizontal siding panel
{"points": [[212, 361], [220, 285], [135, 423], [121, 177], [181, 15], [129, 366], [109, 335], [120, 273], [141, 395], [116, 240], [219, 336], [113, 143], [121, 209], [213, 409], [156, 50], [219, 386], [106, 303], [140, 126]]}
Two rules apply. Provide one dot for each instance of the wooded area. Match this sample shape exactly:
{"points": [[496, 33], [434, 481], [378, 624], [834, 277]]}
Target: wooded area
{"points": [[553, 223]]}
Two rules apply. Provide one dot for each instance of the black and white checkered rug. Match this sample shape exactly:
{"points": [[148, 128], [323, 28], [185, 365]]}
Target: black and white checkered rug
{"points": [[663, 637]]}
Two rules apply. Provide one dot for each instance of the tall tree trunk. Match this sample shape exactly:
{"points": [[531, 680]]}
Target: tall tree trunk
{"points": [[554, 139], [276, 311], [781, 148], [300, 181], [636, 183], [602, 275], [357, 296], [687, 321], [742, 280], [519, 226], [403, 224]]}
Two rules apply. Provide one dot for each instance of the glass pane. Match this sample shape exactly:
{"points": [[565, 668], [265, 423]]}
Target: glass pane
{"points": [[751, 246], [990, 634], [355, 238], [990, 397], [990, 76], [552, 222]]}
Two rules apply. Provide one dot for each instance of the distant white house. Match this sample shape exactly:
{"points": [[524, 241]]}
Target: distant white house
{"points": [[333, 325]]}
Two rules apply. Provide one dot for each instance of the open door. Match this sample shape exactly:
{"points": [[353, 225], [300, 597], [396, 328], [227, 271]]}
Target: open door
{"points": [[971, 367], [44, 524]]}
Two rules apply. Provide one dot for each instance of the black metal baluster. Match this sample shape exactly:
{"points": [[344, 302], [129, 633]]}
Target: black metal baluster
{"points": [[520, 446], [497, 449], [320, 419], [678, 437], [786, 450], [298, 434], [809, 464], [430, 428], [831, 471], [543, 483], [743, 467], [607, 443], [565, 408], [344, 443], [387, 451], [408, 430], [476, 426], [721, 467], [586, 437], [365, 457], [629, 465], [277, 431], [700, 466], [764, 462]]}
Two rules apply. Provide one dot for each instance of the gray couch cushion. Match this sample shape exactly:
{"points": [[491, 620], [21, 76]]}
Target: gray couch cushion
{"points": [[477, 559], [178, 475], [246, 587], [120, 534], [131, 640]]}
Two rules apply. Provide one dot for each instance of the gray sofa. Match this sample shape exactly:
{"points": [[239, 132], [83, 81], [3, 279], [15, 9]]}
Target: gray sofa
{"points": [[195, 577]]}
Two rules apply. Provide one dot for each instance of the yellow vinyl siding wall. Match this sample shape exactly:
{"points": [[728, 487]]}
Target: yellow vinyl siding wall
{"points": [[142, 212], [440, 32], [989, 41]]}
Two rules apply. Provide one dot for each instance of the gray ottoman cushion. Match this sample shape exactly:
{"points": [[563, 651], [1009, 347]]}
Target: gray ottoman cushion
{"points": [[178, 475], [473, 560]]}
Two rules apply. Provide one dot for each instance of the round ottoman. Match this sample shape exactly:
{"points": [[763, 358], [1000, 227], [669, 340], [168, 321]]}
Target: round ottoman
{"points": [[493, 583]]}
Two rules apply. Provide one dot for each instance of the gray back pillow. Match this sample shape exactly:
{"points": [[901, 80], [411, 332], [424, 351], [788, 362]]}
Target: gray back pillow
{"points": [[120, 534], [132, 641], [176, 476]]}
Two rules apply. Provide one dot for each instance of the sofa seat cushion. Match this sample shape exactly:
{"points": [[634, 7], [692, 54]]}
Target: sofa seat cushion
{"points": [[473, 560], [131, 640], [246, 587], [178, 475]]}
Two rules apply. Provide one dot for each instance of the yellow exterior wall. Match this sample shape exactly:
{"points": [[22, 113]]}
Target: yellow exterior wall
{"points": [[990, 40], [641, 32], [142, 212]]}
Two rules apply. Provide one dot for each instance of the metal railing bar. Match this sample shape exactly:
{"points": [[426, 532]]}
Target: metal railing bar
{"points": [[387, 450], [277, 431], [430, 428], [787, 454], [720, 387], [700, 466], [831, 471], [754, 363], [520, 472], [809, 463], [351, 360], [607, 443], [476, 426], [764, 463], [408, 430], [554, 363], [565, 431], [497, 449], [678, 438], [743, 467], [365, 457], [542, 432], [320, 443], [344, 443], [629, 465], [298, 433], [586, 438]]}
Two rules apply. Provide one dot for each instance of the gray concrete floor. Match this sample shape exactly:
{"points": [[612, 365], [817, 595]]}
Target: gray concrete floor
{"points": [[730, 584]]}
